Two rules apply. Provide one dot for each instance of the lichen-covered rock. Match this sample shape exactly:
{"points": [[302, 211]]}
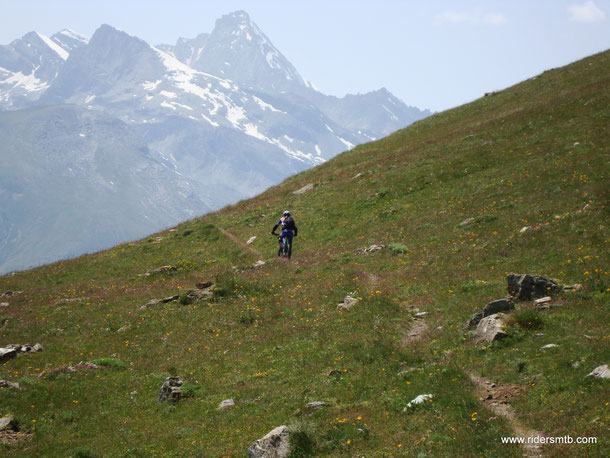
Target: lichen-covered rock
{"points": [[347, 303], [275, 444], [491, 328], [171, 389], [498, 306], [526, 287]]}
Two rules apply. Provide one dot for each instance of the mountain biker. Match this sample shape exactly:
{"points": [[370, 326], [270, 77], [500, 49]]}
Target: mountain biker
{"points": [[289, 229]]}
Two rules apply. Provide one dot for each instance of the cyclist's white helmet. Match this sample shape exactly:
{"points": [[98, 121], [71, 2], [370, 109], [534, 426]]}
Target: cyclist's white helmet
{"points": [[286, 213]]}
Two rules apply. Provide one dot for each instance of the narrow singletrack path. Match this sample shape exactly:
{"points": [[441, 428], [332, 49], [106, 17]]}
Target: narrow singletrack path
{"points": [[234, 239], [496, 397]]}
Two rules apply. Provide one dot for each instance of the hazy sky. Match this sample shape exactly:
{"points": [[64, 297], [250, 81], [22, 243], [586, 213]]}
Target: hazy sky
{"points": [[432, 54]]}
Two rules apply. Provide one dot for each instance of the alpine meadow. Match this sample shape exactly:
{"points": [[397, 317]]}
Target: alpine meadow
{"points": [[421, 230]]}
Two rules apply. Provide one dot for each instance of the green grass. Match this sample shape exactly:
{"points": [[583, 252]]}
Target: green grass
{"points": [[533, 155]]}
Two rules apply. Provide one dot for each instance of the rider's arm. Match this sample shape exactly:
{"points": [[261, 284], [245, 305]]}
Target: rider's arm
{"points": [[295, 230], [274, 228]]}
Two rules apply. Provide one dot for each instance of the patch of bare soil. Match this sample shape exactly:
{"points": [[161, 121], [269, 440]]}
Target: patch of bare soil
{"points": [[415, 332], [496, 397], [12, 437]]}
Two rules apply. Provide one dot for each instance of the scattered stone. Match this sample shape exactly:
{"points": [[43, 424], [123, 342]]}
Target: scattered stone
{"points": [[10, 293], [543, 300], [251, 240], [7, 384], [226, 404], [358, 175], [528, 287], [171, 389], [406, 371], [7, 353], [347, 303], [204, 284], [420, 314], [199, 294], [525, 229], [549, 346], [491, 328], [7, 423], [418, 400], [317, 405], [576, 287], [275, 444], [308, 187], [165, 300], [500, 305], [600, 372], [467, 221], [372, 249], [81, 366], [69, 300], [4, 304], [159, 270], [538, 335], [259, 263]]}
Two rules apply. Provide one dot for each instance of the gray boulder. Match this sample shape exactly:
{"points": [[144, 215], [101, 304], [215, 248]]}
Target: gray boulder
{"points": [[526, 287], [499, 306], [600, 372], [7, 384], [491, 328], [274, 444], [171, 389]]}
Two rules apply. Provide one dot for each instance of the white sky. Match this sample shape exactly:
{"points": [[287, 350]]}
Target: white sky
{"points": [[432, 54]]}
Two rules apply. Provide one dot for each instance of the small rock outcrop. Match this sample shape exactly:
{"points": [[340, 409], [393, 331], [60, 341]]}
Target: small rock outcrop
{"points": [[7, 384], [497, 306], [600, 372], [491, 328], [274, 444], [526, 287], [347, 303], [171, 389]]}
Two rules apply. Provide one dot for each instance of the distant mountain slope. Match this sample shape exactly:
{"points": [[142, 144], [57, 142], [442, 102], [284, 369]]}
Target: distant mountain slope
{"points": [[226, 111], [74, 180], [29, 65]]}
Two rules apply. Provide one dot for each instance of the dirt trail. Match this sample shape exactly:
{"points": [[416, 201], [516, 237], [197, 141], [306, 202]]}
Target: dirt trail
{"points": [[497, 397], [244, 245], [415, 332]]}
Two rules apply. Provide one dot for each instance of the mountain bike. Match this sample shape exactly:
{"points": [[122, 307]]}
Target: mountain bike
{"points": [[285, 248]]}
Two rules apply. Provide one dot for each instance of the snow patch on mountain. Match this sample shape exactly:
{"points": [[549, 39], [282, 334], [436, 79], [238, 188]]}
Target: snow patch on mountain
{"points": [[54, 46]]}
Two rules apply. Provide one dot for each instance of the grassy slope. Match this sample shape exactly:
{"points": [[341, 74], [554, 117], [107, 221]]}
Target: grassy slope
{"points": [[519, 158]]}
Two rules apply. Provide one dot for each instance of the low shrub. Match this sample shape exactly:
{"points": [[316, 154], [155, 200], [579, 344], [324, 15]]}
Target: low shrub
{"points": [[109, 362], [528, 319]]}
